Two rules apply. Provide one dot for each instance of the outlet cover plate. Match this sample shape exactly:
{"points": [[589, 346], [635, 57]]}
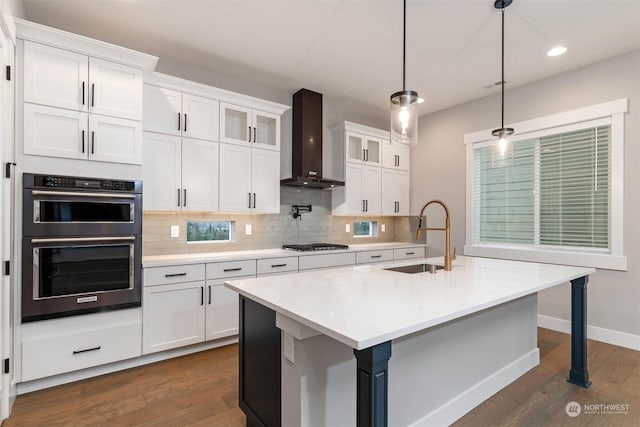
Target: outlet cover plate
{"points": [[175, 231]]}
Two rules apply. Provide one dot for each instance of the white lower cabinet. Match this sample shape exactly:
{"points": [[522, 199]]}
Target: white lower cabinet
{"points": [[190, 312], [221, 312], [52, 347], [173, 316], [370, 257]]}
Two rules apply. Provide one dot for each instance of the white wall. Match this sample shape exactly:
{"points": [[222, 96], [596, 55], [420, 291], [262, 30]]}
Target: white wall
{"points": [[438, 171]]}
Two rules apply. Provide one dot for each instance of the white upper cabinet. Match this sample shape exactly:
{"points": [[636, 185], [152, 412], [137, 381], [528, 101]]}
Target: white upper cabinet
{"points": [[395, 192], [249, 179], [363, 149], [395, 156], [243, 125], [115, 90], [180, 174], [58, 132], [114, 140], [361, 192], [65, 79], [55, 77], [200, 117], [176, 113], [162, 110], [55, 132]]}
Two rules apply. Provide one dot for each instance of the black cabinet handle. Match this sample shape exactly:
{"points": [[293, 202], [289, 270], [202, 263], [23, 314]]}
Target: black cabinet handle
{"points": [[82, 93], [179, 121], [178, 197], [254, 200], [366, 152], [362, 205], [93, 94], [93, 141], [175, 275], [376, 256], [409, 253], [249, 200], [226, 270], [366, 205], [249, 134], [209, 294], [278, 265], [185, 122], [255, 132], [184, 198], [363, 155], [83, 141], [201, 295], [86, 350]]}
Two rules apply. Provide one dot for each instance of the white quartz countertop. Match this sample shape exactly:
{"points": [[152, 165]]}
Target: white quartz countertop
{"points": [[181, 259], [365, 305]]}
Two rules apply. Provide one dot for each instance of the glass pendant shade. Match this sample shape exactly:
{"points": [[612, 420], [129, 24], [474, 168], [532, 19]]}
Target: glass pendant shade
{"points": [[404, 118], [502, 147]]}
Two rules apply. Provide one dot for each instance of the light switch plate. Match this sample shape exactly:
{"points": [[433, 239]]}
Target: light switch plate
{"points": [[347, 228], [175, 231], [248, 230], [383, 228]]}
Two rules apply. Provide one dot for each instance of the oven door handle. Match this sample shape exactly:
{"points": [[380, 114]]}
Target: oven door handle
{"points": [[82, 239], [78, 194]]}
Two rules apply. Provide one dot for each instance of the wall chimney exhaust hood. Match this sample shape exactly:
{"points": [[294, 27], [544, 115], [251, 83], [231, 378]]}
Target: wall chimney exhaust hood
{"points": [[306, 141]]}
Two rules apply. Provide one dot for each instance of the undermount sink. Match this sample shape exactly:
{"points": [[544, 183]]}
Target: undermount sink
{"points": [[415, 268]]}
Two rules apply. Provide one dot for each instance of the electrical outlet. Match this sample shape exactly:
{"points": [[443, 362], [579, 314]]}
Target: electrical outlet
{"points": [[175, 231], [248, 230], [347, 228], [288, 347], [383, 228]]}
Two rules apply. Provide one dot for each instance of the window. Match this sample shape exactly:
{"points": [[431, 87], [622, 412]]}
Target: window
{"points": [[210, 231], [559, 197], [365, 228]]}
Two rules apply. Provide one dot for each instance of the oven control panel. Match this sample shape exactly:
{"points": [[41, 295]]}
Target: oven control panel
{"points": [[70, 182]]}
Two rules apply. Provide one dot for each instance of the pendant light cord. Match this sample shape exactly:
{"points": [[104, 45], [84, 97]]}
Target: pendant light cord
{"points": [[502, 80], [404, 44]]}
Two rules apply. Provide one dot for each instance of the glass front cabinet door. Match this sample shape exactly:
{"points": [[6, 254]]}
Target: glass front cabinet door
{"points": [[242, 125]]}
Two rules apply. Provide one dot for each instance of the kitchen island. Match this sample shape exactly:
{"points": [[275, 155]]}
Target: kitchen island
{"points": [[428, 347]]}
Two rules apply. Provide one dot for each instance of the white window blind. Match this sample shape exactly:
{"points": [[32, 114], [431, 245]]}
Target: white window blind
{"points": [[554, 193]]}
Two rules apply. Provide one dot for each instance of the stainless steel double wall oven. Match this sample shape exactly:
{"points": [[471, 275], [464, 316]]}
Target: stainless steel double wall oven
{"points": [[81, 245]]}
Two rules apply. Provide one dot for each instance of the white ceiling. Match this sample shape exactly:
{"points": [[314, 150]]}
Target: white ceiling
{"points": [[351, 50]]}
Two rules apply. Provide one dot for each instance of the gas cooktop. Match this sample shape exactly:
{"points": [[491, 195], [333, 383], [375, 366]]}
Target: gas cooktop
{"points": [[315, 247]]}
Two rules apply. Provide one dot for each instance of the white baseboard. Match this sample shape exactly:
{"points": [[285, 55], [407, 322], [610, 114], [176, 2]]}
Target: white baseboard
{"points": [[42, 383], [595, 333], [456, 408]]}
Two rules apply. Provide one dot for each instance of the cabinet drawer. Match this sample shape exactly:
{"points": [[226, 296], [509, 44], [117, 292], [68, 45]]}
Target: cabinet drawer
{"points": [[326, 260], [374, 256], [173, 274], [406, 253], [277, 265], [46, 356], [226, 269]]}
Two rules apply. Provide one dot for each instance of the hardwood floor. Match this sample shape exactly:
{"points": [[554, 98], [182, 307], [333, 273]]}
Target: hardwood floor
{"points": [[202, 390]]}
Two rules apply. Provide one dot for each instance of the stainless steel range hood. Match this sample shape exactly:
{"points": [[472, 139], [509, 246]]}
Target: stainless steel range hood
{"points": [[306, 165]]}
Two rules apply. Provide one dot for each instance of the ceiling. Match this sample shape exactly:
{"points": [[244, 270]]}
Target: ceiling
{"points": [[351, 50]]}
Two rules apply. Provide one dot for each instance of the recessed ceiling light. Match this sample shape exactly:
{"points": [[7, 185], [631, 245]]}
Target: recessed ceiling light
{"points": [[420, 100], [556, 51]]}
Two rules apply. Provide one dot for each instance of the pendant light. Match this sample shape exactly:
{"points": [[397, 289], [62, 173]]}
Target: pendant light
{"points": [[502, 149], [404, 104]]}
